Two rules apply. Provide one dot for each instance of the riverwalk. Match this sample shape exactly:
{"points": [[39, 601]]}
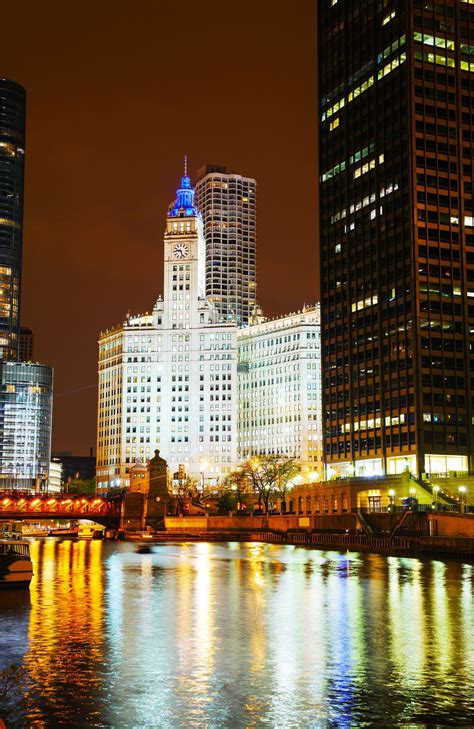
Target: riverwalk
{"points": [[428, 535]]}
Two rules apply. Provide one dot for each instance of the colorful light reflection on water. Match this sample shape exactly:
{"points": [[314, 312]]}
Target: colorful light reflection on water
{"points": [[240, 635]]}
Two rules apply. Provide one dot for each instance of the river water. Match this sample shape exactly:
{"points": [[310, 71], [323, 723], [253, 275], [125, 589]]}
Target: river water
{"points": [[239, 635]]}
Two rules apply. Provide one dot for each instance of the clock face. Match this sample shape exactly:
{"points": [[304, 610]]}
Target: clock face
{"points": [[180, 250]]}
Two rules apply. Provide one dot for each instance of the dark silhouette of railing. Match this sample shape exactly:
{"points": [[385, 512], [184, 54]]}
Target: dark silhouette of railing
{"points": [[442, 495], [367, 528], [406, 516]]}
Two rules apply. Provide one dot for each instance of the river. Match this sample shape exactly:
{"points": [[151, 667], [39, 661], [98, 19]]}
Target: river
{"points": [[239, 635]]}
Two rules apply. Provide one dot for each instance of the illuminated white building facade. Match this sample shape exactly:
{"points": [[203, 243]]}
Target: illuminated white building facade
{"points": [[168, 379], [279, 390]]}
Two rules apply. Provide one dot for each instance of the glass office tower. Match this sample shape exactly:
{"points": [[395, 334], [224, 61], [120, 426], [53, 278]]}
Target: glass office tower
{"points": [[25, 388], [396, 135], [12, 159], [26, 396]]}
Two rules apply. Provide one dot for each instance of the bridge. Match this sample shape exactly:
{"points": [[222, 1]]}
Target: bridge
{"points": [[20, 505]]}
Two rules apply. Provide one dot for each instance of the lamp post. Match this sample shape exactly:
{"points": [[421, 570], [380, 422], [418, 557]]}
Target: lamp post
{"points": [[391, 496], [462, 498], [436, 497], [204, 465]]}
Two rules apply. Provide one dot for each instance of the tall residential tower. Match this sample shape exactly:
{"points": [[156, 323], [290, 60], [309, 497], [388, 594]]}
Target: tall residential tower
{"points": [[227, 202], [396, 86]]}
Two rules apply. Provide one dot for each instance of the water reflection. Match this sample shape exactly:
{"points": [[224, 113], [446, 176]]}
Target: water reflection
{"points": [[240, 635], [65, 638]]}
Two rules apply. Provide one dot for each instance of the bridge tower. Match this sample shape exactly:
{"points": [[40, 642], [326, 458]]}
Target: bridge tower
{"points": [[146, 504]]}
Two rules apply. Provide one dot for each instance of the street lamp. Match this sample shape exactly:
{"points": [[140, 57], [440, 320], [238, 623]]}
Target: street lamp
{"points": [[436, 496], [391, 496], [204, 465], [462, 498]]}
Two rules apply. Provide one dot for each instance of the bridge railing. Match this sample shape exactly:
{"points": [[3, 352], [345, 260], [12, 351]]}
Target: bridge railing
{"points": [[26, 502]]}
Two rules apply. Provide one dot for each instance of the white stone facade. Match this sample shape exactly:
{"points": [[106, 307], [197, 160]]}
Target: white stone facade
{"points": [[168, 379], [279, 396]]}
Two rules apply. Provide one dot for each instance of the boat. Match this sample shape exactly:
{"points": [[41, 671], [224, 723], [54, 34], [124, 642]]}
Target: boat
{"points": [[90, 530], [143, 549], [71, 531], [16, 568], [34, 530]]}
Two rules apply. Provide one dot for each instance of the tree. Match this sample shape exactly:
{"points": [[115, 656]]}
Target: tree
{"points": [[237, 484], [227, 501], [269, 475], [83, 486], [184, 491], [288, 471]]}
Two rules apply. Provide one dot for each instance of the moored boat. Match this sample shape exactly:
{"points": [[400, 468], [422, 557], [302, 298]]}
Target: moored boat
{"points": [[16, 568], [34, 530], [90, 530], [71, 531]]}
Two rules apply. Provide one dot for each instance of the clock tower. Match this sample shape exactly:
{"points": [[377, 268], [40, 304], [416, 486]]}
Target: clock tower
{"points": [[175, 389], [184, 265]]}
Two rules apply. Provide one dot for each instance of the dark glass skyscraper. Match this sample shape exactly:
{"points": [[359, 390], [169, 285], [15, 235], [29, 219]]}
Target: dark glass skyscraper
{"points": [[26, 389], [396, 86], [12, 159]]}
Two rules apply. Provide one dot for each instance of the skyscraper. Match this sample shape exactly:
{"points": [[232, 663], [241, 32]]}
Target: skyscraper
{"points": [[25, 388], [25, 346], [167, 379], [26, 398], [227, 202], [396, 136], [12, 161]]}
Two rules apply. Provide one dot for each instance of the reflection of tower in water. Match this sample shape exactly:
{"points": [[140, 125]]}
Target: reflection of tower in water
{"points": [[66, 627], [197, 620]]}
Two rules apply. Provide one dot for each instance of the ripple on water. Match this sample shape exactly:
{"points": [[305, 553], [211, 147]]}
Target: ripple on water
{"points": [[240, 635]]}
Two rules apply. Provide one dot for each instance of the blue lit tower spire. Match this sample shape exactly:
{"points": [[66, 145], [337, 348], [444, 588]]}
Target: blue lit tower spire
{"points": [[184, 206]]}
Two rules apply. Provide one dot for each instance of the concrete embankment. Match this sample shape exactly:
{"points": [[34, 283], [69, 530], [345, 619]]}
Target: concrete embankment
{"points": [[454, 546], [436, 534]]}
